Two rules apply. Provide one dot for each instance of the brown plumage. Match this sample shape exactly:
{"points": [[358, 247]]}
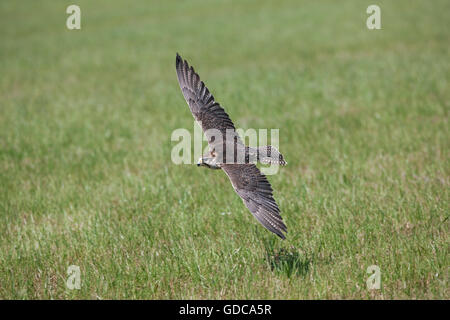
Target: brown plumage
{"points": [[247, 180]]}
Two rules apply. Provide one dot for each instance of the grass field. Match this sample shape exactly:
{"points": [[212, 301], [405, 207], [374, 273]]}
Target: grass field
{"points": [[86, 177]]}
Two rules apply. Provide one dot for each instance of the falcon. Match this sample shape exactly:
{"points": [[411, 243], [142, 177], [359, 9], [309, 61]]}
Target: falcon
{"points": [[228, 152]]}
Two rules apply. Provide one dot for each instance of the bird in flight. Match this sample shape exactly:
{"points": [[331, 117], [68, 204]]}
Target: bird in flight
{"points": [[228, 152]]}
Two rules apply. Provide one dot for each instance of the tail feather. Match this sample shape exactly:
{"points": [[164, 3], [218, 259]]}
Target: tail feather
{"points": [[267, 155]]}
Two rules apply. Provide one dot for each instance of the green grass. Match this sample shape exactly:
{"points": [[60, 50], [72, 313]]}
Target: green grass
{"points": [[86, 177]]}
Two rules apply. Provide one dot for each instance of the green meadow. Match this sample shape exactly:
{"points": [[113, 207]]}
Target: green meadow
{"points": [[86, 176]]}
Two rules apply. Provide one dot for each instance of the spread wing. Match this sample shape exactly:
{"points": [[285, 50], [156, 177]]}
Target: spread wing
{"points": [[201, 102], [254, 189]]}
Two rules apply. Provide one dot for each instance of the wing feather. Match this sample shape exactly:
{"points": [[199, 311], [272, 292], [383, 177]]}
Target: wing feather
{"points": [[201, 102], [255, 190]]}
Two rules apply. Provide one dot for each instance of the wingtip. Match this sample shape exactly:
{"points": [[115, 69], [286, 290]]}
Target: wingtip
{"points": [[281, 232], [178, 59], [282, 236]]}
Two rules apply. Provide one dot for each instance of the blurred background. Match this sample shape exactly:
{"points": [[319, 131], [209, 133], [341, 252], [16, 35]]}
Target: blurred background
{"points": [[86, 177]]}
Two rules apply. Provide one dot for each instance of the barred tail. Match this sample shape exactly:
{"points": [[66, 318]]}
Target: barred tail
{"points": [[267, 155]]}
